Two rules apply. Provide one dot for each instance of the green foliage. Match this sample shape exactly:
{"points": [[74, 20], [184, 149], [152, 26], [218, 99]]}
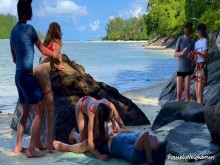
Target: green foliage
{"points": [[7, 22], [165, 18], [128, 29]]}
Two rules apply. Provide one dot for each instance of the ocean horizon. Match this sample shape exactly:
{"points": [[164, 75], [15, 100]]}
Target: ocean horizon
{"points": [[124, 65]]}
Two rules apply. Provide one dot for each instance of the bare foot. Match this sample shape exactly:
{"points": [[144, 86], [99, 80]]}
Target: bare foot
{"points": [[50, 148], [41, 147], [34, 154], [71, 136], [19, 149], [59, 146]]}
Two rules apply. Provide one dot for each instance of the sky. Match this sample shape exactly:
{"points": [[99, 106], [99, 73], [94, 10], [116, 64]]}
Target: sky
{"points": [[80, 20]]}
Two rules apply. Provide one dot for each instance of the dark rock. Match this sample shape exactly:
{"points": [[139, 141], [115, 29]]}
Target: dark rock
{"points": [[194, 112], [190, 139], [72, 84], [169, 113], [188, 111], [212, 119], [215, 161]]}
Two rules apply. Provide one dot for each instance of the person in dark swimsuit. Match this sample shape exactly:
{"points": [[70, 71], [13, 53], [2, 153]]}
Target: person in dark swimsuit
{"points": [[53, 42], [87, 112]]}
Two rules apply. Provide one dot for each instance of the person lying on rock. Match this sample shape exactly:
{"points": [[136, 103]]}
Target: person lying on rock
{"points": [[89, 112], [53, 41], [136, 148]]}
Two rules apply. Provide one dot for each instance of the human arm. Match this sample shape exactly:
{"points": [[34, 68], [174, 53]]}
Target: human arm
{"points": [[13, 54], [91, 144], [56, 56], [117, 117], [57, 48], [177, 53], [203, 54]]}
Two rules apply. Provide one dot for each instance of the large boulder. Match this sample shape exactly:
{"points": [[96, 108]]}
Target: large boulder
{"points": [[194, 112], [212, 118], [169, 113], [188, 111], [68, 87], [192, 140]]}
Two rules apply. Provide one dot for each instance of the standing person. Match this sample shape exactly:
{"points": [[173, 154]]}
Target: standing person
{"points": [[53, 41], [22, 41], [183, 47], [199, 56]]}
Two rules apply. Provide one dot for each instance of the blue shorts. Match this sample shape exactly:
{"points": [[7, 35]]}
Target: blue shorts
{"points": [[123, 146], [29, 90]]}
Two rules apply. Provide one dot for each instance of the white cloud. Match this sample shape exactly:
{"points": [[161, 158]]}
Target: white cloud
{"points": [[61, 7], [81, 28], [111, 17], [95, 25], [8, 7], [137, 8], [137, 11]]}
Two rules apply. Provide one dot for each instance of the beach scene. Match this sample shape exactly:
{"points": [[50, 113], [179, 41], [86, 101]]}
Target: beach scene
{"points": [[109, 82]]}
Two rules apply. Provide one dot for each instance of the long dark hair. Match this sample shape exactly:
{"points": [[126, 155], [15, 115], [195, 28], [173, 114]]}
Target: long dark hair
{"points": [[100, 131], [54, 32], [202, 29]]}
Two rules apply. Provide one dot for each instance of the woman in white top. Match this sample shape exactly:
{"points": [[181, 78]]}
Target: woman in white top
{"points": [[199, 56]]}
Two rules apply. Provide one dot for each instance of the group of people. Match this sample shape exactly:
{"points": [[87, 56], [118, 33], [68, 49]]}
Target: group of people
{"points": [[189, 54], [101, 129]]}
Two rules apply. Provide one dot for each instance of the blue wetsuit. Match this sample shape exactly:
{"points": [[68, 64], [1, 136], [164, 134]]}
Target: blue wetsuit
{"points": [[23, 37], [123, 146]]}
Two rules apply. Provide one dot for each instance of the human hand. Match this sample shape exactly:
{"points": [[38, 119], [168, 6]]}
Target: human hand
{"points": [[59, 67], [103, 157], [184, 50]]}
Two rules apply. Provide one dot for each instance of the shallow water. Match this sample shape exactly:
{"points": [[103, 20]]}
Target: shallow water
{"points": [[125, 66]]}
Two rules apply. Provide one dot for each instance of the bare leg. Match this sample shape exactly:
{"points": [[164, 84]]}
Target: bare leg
{"points": [[143, 143], [187, 80], [179, 83], [21, 126], [74, 135], [76, 148], [35, 131], [200, 91], [49, 105], [81, 122]]}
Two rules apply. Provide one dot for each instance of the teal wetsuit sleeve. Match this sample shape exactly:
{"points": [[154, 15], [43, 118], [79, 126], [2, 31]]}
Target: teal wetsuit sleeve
{"points": [[34, 36]]}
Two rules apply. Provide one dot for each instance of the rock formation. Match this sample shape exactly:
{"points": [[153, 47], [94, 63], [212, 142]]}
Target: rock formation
{"points": [[72, 84]]}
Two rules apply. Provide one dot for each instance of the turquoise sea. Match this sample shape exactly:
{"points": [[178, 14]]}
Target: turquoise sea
{"points": [[126, 66]]}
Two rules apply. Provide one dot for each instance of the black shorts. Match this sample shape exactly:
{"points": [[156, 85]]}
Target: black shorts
{"points": [[184, 74]]}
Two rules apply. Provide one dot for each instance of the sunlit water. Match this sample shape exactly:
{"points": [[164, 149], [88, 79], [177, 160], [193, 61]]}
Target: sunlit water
{"points": [[125, 66]]}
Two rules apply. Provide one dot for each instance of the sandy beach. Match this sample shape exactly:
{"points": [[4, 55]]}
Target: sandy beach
{"points": [[145, 98]]}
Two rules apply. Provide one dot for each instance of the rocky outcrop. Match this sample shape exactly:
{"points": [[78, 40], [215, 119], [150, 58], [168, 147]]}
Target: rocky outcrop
{"points": [[188, 111], [192, 140], [72, 84], [212, 118]]}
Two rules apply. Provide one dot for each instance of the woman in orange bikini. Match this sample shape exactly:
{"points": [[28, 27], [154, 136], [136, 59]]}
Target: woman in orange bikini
{"points": [[53, 41], [88, 111]]}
